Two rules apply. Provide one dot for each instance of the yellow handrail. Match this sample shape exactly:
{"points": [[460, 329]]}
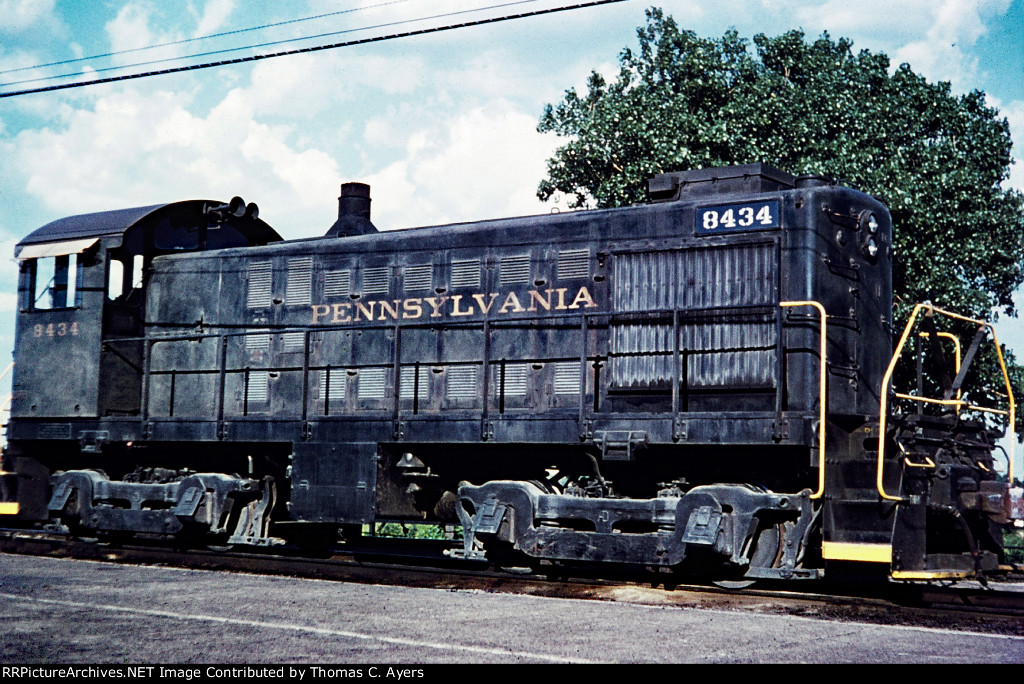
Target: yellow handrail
{"points": [[887, 378], [822, 395]]}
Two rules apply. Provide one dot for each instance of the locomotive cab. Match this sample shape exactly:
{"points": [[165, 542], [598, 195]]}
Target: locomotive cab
{"points": [[81, 305]]}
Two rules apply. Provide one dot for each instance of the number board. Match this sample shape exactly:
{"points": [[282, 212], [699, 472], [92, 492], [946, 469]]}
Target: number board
{"points": [[730, 218]]}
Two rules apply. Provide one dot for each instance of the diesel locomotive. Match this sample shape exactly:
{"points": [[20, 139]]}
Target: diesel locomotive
{"points": [[707, 383]]}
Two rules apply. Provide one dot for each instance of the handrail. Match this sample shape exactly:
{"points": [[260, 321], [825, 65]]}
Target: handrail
{"points": [[822, 394], [887, 379]]}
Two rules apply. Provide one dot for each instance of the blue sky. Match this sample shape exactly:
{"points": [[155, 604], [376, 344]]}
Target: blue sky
{"points": [[442, 126]]}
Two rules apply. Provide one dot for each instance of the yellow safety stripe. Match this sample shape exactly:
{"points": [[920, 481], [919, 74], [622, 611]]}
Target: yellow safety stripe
{"points": [[930, 574], [870, 553], [9, 508]]}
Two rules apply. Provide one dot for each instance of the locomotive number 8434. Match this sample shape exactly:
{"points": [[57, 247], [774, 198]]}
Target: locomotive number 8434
{"points": [[708, 383]]}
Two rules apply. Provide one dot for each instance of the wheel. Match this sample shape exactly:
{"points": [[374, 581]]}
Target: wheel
{"points": [[766, 553]]}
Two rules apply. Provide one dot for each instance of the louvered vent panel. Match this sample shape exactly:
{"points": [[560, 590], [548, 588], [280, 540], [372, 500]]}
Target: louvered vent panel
{"points": [[517, 376], [337, 283], [514, 269], [641, 354], [465, 273], [574, 263], [257, 342], [300, 281], [419, 277], [261, 274], [408, 388], [737, 275], [257, 389], [293, 341], [372, 383], [567, 377], [375, 280], [713, 364], [461, 382], [337, 389]]}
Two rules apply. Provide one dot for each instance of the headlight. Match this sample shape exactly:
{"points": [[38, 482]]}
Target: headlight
{"points": [[868, 222]]}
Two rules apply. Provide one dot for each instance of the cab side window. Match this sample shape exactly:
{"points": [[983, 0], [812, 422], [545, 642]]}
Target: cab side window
{"points": [[53, 283]]}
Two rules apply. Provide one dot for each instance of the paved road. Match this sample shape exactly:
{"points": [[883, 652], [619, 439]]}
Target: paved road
{"points": [[73, 611]]}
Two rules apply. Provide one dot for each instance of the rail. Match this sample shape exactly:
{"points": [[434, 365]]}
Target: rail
{"points": [[1010, 413]]}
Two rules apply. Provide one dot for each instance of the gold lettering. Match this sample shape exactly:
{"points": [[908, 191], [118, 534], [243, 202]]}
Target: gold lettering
{"points": [[480, 300], [561, 298], [386, 306], [319, 311], [361, 308], [435, 304], [338, 309], [535, 299], [455, 307], [412, 308], [583, 296], [511, 301]]}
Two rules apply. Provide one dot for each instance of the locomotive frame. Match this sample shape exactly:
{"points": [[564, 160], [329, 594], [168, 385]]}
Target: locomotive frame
{"points": [[700, 384]]}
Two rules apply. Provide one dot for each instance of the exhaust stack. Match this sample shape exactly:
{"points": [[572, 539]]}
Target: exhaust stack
{"points": [[353, 212]]}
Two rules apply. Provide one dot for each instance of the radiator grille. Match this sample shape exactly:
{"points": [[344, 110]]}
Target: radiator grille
{"points": [[717, 351]]}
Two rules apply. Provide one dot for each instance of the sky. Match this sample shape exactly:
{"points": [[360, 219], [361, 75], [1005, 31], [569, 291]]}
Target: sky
{"points": [[442, 126]]}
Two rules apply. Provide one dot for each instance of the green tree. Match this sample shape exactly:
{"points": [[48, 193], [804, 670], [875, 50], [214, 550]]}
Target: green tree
{"points": [[937, 159]]}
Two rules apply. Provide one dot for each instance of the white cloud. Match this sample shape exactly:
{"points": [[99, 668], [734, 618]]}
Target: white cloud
{"points": [[482, 164], [215, 13], [133, 149], [1014, 113], [19, 15], [942, 53]]}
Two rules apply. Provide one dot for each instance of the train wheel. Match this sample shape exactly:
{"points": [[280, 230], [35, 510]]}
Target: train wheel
{"points": [[766, 553]]}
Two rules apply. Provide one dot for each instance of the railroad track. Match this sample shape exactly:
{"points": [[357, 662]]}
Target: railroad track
{"points": [[422, 563]]}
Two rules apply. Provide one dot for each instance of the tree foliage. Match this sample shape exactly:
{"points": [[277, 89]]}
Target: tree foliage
{"points": [[937, 159]]}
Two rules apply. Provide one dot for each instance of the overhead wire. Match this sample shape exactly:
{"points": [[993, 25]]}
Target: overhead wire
{"points": [[198, 38], [318, 48], [283, 41]]}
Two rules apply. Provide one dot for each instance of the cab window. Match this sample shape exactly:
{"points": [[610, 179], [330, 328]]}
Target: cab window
{"points": [[54, 282]]}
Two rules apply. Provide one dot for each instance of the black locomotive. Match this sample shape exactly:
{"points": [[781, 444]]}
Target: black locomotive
{"points": [[698, 384]]}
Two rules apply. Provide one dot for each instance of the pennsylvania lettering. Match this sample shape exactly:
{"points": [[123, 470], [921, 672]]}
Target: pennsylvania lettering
{"points": [[444, 306]]}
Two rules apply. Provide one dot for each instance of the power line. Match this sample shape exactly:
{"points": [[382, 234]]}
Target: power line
{"points": [[317, 48], [197, 38], [284, 41]]}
